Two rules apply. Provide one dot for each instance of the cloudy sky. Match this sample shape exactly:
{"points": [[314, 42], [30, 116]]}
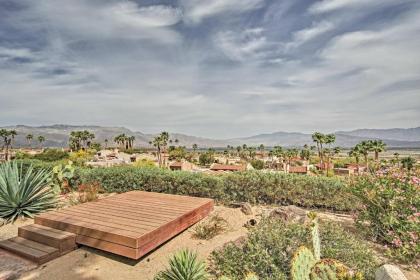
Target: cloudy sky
{"points": [[214, 68]]}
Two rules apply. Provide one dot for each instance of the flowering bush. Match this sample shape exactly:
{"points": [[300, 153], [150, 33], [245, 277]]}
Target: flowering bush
{"points": [[391, 211]]}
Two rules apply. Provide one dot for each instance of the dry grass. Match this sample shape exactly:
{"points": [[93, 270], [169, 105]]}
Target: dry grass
{"points": [[215, 225]]}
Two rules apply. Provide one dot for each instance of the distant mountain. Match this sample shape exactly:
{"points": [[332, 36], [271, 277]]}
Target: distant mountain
{"points": [[401, 134], [57, 136]]}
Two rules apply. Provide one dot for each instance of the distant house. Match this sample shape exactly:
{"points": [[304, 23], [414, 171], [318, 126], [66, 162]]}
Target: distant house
{"points": [[181, 165], [298, 169], [343, 171], [357, 168], [324, 166], [227, 167]]}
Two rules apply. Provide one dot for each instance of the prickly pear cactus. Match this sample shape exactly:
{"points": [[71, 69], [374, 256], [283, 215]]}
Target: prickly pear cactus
{"points": [[329, 269], [302, 262]]}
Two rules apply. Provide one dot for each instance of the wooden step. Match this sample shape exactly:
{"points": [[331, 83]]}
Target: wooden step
{"points": [[34, 251], [62, 240]]}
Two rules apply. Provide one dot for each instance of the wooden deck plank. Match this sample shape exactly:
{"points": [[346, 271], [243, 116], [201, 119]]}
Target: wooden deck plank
{"points": [[130, 224]]}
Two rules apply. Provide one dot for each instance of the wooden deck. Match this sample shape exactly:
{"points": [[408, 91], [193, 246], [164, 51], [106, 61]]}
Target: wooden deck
{"points": [[129, 224]]}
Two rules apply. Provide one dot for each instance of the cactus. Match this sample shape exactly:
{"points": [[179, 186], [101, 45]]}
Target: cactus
{"points": [[329, 269], [316, 241], [302, 262]]}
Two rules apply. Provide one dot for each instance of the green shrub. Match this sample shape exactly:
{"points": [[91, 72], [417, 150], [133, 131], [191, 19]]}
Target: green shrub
{"points": [[257, 164], [391, 212], [51, 155], [249, 186], [24, 193], [184, 265], [270, 247]]}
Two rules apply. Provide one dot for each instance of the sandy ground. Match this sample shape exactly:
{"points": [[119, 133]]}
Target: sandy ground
{"points": [[88, 263]]}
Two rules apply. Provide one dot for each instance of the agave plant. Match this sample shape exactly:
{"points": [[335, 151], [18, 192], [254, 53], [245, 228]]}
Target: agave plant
{"points": [[24, 193], [184, 265]]}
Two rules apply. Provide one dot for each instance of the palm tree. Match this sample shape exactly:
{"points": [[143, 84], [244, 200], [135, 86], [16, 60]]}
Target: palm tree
{"points": [[29, 138], [195, 147], [160, 142], [13, 133], [106, 144], [365, 147], [378, 146], [7, 140], [41, 139], [319, 139]]}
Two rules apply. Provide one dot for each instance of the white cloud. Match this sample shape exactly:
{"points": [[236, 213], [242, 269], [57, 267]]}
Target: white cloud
{"points": [[131, 14], [331, 5], [197, 10], [304, 35]]}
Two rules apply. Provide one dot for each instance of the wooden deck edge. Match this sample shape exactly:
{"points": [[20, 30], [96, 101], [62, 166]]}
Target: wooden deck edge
{"points": [[159, 236]]}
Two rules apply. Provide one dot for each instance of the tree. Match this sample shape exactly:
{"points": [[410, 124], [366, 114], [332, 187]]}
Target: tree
{"points": [[80, 139], [365, 147], [206, 158], [319, 139], [41, 139], [106, 143], [160, 142], [194, 147], [378, 146], [6, 136], [355, 152], [29, 138], [397, 159], [408, 163]]}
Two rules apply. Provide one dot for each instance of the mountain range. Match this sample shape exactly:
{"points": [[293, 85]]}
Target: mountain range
{"points": [[57, 136]]}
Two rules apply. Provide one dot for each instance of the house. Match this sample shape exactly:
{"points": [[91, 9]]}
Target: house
{"points": [[357, 168], [227, 167], [181, 166], [344, 171], [324, 166], [298, 169]]}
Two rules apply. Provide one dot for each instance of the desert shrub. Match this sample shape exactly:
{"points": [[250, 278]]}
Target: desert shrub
{"points": [[206, 158], [24, 193], [391, 212], [184, 265], [145, 163], [270, 246], [51, 155], [88, 192], [250, 186], [257, 164], [209, 229], [80, 157]]}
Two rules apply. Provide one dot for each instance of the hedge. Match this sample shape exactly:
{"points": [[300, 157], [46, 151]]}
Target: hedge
{"points": [[255, 187], [252, 186]]}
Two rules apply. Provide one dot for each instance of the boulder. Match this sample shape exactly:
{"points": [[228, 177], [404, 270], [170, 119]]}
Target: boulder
{"points": [[246, 208], [289, 213], [389, 272]]}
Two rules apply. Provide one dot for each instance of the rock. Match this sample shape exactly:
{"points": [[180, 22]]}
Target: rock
{"points": [[246, 208], [389, 272], [289, 213], [8, 275]]}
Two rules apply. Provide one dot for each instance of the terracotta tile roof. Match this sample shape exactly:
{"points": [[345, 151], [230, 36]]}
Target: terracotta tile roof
{"points": [[298, 169]]}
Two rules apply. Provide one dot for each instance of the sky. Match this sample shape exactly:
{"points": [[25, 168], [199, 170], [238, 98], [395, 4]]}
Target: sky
{"points": [[211, 68]]}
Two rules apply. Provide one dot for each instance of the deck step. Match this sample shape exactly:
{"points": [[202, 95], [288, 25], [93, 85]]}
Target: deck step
{"points": [[61, 240], [34, 251]]}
